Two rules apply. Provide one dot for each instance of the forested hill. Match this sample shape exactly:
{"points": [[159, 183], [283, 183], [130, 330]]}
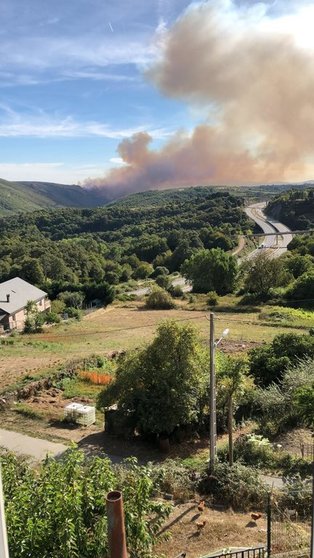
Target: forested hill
{"points": [[29, 196], [295, 208], [154, 212], [120, 241]]}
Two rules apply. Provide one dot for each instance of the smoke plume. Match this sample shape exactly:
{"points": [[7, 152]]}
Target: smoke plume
{"points": [[256, 85]]}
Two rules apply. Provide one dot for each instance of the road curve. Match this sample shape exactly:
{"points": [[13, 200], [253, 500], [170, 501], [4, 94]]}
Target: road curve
{"points": [[274, 248], [273, 244]]}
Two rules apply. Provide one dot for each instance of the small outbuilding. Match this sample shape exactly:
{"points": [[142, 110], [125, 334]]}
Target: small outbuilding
{"points": [[14, 296]]}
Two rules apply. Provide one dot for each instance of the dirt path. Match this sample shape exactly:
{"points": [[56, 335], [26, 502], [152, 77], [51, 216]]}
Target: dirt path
{"points": [[240, 246]]}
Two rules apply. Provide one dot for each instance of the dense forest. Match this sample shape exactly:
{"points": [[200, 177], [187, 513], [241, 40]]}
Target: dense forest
{"points": [[295, 208], [61, 249]]}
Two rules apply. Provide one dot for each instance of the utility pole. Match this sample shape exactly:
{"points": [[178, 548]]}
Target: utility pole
{"points": [[269, 525], [312, 522], [212, 390]]}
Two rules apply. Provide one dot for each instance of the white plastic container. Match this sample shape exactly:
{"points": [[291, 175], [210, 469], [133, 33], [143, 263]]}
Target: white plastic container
{"points": [[86, 415], [80, 414]]}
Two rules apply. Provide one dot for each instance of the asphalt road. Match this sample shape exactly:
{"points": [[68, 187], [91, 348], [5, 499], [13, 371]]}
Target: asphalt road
{"points": [[275, 246]]}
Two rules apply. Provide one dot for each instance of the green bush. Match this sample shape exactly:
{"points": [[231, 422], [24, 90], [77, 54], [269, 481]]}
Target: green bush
{"points": [[59, 510], [288, 403], [159, 300], [302, 288], [173, 478], [159, 270], [73, 313], [175, 291], [238, 487], [52, 318], [163, 281], [254, 449], [212, 298]]}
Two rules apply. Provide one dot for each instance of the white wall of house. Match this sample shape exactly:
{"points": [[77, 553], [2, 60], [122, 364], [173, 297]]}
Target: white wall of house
{"points": [[17, 320]]}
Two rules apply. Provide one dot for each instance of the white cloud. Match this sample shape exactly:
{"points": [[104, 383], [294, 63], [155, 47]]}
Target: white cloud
{"points": [[48, 172], [117, 161], [41, 125]]}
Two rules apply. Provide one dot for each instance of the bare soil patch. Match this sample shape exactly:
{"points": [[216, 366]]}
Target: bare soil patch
{"points": [[221, 530], [13, 369], [122, 326]]}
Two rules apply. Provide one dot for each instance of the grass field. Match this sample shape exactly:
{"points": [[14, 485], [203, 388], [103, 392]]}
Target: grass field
{"points": [[128, 325]]}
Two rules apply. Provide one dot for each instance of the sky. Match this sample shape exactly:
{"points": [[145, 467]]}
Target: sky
{"points": [[139, 94]]}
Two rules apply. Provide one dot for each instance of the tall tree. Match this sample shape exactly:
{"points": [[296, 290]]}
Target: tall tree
{"points": [[233, 380], [264, 273], [211, 270], [162, 385]]}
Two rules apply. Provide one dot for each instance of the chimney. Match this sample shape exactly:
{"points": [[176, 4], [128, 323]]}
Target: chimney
{"points": [[8, 298]]}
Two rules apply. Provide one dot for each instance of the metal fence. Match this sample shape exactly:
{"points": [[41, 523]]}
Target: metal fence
{"points": [[288, 533], [307, 451], [248, 553]]}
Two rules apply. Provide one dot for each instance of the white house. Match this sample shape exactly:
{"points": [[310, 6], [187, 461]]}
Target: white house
{"points": [[14, 296]]}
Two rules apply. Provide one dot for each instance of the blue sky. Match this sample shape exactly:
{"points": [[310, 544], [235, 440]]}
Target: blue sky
{"points": [[73, 82]]}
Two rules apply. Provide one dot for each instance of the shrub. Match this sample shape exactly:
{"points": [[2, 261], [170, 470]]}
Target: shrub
{"points": [[159, 270], [302, 288], [71, 299], [175, 291], [288, 403], [74, 313], [211, 270], [162, 386], [52, 318], [163, 281], [159, 300], [59, 510], [297, 494], [238, 486], [212, 298], [57, 306], [143, 270], [254, 449], [268, 363], [173, 478]]}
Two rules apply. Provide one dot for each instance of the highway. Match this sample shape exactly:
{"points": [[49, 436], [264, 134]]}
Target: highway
{"points": [[271, 245], [275, 246]]}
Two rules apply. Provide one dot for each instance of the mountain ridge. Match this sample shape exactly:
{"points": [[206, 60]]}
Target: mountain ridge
{"points": [[31, 195]]}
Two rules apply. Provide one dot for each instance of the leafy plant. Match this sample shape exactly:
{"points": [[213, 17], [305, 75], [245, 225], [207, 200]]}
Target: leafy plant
{"points": [[237, 486], [159, 299], [163, 385], [59, 511]]}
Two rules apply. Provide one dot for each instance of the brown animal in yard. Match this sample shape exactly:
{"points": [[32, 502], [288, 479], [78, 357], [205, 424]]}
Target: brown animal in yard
{"points": [[256, 516], [201, 506], [200, 524]]}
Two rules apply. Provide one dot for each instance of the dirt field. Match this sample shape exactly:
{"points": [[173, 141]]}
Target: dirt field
{"points": [[222, 530], [121, 326]]}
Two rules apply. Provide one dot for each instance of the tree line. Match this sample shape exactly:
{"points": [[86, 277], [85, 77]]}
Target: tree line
{"points": [[72, 249]]}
